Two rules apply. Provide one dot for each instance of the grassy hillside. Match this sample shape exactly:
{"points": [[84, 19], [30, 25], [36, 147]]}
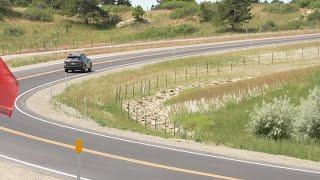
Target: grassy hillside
{"points": [[18, 34]]}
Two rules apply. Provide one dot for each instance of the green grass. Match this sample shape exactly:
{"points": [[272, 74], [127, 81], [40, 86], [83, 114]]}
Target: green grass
{"points": [[228, 125]]}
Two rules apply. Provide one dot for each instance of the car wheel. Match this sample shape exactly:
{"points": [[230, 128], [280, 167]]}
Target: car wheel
{"points": [[84, 69], [66, 70], [90, 69]]}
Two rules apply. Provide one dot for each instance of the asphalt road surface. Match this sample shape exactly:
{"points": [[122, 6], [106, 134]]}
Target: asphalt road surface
{"points": [[48, 144]]}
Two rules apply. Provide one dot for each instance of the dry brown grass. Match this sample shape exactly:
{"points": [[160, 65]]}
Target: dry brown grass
{"points": [[213, 92]]}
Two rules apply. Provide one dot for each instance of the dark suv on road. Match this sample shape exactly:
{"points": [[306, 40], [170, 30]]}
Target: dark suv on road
{"points": [[78, 62]]}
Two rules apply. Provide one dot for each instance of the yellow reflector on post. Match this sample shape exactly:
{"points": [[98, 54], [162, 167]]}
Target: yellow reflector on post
{"points": [[79, 146]]}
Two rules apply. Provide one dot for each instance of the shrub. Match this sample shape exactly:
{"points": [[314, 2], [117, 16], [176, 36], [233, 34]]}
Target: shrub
{"points": [[307, 123], [13, 31], [314, 4], [171, 5], [185, 29], [302, 3], [117, 9], [280, 8], [294, 25], [5, 6], [114, 19], [269, 25], [273, 120], [207, 11], [138, 12], [37, 14], [167, 31], [184, 12], [314, 17]]}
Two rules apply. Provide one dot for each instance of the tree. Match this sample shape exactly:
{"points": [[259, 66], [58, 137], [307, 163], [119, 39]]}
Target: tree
{"points": [[124, 2], [5, 6], [138, 12], [109, 2], [207, 11], [87, 10], [234, 12]]}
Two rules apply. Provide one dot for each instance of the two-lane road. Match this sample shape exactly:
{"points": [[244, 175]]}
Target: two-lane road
{"points": [[49, 144]]}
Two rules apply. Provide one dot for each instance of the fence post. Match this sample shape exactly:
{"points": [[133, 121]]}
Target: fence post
{"points": [[174, 128], [196, 71], [44, 45], [141, 87], [186, 74], [145, 119], [149, 86], [157, 82], [133, 90], [119, 94], [20, 48], [207, 68], [85, 107], [126, 93], [37, 47], [175, 76], [166, 81], [128, 111]]}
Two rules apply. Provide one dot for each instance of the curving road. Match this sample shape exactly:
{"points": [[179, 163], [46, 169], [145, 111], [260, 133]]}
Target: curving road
{"points": [[47, 144]]}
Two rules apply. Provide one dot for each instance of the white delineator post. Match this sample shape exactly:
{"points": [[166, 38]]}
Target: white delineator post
{"points": [[78, 150]]}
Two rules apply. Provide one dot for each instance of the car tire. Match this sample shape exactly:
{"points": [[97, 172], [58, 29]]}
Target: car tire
{"points": [[90, 69], [84, 69], [66, 70]]}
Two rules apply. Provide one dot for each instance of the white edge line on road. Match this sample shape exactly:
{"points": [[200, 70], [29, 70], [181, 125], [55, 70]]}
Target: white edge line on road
{"points": [[142, 143], [40, 167]]}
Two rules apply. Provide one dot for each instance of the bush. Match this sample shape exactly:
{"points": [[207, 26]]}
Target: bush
{"points": [[273, 120], [184, 12], [268, 26], [280, 8], [5, 6], [314, 4], [114, 19], [117, 9], [13, 31], [185, 29], [307, 123], [207, 11], [37, 14], [314, 17], [167, 31], [171, 5], [294, 25], [138, 12]]}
